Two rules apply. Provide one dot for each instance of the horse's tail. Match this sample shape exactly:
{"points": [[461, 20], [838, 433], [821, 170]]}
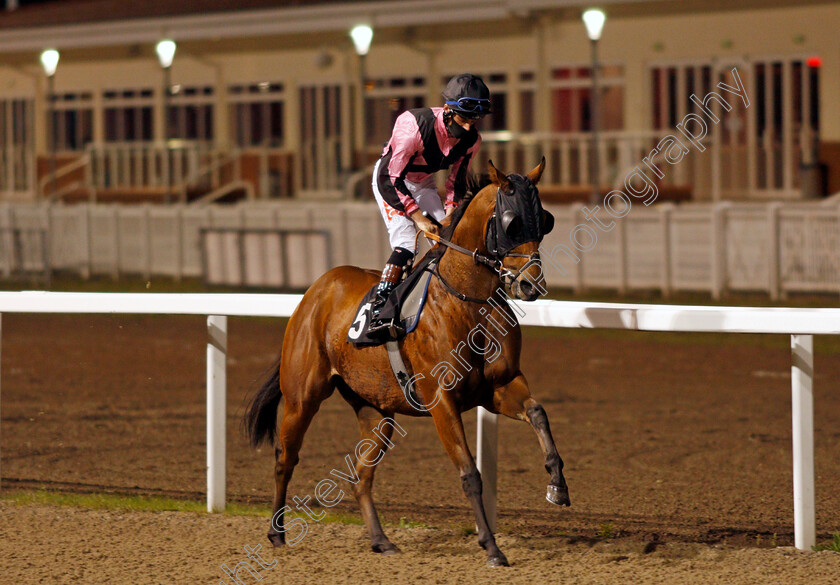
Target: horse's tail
{"points": [[261, 416]]}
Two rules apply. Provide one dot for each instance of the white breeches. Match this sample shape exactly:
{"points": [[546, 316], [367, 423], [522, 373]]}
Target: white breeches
{"points": [[401, 230]]}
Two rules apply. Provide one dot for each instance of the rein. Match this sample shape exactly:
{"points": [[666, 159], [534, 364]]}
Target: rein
{"points": [[493, 264]]}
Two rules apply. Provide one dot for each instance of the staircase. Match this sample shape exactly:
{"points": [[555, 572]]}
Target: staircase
{"points": [[131, 173]]}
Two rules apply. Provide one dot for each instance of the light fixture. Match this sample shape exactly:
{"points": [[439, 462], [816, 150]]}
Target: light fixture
{"points": [[362, 35], [166, 52], [49, 59], [594, 19]]}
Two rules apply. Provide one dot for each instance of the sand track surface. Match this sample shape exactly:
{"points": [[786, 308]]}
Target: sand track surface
{"points": [[677, 451]]}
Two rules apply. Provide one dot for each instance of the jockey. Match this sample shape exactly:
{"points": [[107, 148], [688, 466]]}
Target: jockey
{"points": [[423, 142]]}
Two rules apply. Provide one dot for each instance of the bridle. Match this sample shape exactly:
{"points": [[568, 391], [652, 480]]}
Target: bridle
{"points": [[493, 262]]}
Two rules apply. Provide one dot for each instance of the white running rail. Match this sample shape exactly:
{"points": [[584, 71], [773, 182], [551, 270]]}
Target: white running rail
{"points": [[801, 324]]}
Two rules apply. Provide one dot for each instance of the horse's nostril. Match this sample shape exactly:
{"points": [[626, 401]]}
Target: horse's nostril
{"points": [[526, 287]]}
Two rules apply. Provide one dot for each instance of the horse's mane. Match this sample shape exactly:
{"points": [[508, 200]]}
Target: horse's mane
{"points": [[449, 230], [475, 183]]}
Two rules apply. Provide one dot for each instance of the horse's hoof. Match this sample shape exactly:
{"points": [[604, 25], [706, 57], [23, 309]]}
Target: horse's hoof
{"points": [[498, 561], [277, 540], [558, 496], [385, 549]]}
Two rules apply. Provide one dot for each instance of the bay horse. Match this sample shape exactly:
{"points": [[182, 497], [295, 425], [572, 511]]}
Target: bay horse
{"points": [[316, 358]]}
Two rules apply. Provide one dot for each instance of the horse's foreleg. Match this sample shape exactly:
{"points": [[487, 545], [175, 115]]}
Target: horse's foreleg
{"points": [[372, 429], [514, 400], [450, 429]]}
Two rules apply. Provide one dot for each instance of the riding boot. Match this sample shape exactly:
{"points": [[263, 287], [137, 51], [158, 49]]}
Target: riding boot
{"points": [[390, 278]]}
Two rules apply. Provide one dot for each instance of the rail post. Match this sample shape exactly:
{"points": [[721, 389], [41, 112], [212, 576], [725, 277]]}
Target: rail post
{"points": [[802, 378], [487, 450], [1, 467], [216, 407]]}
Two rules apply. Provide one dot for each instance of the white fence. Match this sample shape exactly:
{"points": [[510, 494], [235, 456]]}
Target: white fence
{"points": [[770, 248], [263, 257], [161, 240], [800, 323]]}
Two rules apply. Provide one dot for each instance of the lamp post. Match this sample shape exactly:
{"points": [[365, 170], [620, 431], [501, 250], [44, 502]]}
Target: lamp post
{"points": [[594, 20], [49, 60], [165, 50], [362, 36]]}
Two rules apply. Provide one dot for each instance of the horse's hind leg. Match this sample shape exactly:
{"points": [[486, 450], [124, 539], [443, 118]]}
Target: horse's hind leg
{"points": [[378, 428], [515, 401], [298, 411]]}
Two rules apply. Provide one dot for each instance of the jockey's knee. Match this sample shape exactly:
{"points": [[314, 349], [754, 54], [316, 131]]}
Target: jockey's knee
{"points": [[400, 256]]}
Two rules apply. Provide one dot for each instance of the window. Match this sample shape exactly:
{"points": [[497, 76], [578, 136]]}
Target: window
{"points": [[671, 88], [256, 114], [527, 101], [189, 114], [759, 148], [497, 120], [14, 122], [128, 115], [16, 137], [803, 106], [571, 98], [72, 121], [385, 100], [785, 109]]}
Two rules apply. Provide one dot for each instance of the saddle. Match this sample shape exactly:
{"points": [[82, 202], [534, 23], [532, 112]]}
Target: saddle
{"points": [[404, 305]]}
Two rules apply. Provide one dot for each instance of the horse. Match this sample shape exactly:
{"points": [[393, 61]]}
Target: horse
{"points": [[483, 255]]}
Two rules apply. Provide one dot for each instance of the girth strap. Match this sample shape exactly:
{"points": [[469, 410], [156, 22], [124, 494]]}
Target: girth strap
{"points": [[400, 371]]}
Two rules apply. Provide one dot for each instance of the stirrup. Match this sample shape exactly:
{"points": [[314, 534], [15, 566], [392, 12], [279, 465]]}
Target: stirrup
{"points": [[378, 327]]}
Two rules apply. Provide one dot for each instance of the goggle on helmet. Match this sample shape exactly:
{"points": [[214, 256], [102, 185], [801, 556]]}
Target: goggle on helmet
{"points": [[468, 96]]}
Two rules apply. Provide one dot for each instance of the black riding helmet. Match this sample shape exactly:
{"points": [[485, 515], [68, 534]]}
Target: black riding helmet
{"points": [[467, 96]]}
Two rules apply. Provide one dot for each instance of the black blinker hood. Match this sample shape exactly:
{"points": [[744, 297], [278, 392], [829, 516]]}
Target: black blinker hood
{"points": [[519, 217]]}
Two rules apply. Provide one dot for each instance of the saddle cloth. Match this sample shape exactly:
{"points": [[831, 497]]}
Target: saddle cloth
{"points": [[407, 301]]}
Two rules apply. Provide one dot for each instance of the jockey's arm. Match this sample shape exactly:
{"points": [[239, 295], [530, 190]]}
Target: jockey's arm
{"points": [[456, 183], [405, 143], [423, 223]]}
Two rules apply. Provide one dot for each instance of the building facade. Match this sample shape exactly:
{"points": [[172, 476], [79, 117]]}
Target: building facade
{"points": [[270, 99]]}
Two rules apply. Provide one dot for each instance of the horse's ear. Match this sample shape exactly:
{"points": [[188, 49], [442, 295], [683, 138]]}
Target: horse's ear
{"points": [[535, 175], [497, 177]]}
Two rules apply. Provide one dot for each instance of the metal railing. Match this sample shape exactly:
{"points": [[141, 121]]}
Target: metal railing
{"points": [[146, 165], [725, 170]]}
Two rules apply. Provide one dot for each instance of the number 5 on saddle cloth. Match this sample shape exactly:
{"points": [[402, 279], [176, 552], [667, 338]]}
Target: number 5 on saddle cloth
{"points": [[403, 306]]}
